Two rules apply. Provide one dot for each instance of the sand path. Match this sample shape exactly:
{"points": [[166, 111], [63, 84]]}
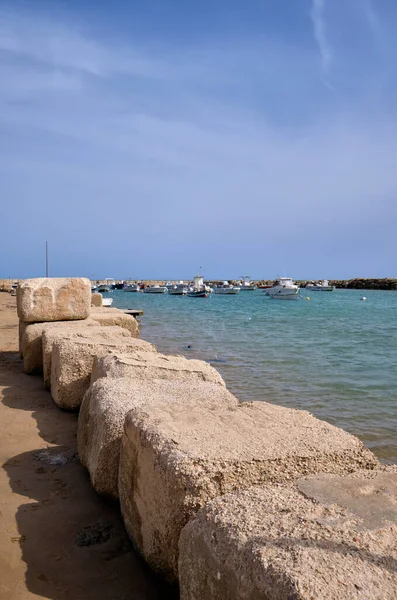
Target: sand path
{"points": [[58, 539]]}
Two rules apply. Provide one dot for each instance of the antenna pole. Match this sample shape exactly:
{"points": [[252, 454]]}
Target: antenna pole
{"points": [[46, 259]]}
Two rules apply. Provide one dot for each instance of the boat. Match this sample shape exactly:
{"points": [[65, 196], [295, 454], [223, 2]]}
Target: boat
{"points": [[195, 293], [284, 289], [198, 289], [107, 301], [103, 288], [226, 288], [129, 287], [179, 289], [155, 289], [246, 285], [320, 286], [94, 288]]}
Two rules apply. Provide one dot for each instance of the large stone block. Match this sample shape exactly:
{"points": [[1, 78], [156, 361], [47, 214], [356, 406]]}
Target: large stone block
{"points": [[175, 458], [49, 334], [327, 537], [53, 299], [72, 361], [114, 316], [96, 300], [32, 340], [103, 411], [151, 365], [21, 330]]}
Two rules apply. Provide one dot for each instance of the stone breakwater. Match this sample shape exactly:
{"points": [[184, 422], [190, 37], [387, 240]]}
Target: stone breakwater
{"points": [[232, 500]]}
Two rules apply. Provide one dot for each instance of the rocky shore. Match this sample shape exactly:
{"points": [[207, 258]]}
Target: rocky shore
{"points": [[229, 500]]}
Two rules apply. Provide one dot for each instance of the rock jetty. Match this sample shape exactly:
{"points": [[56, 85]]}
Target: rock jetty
{"points": [[233, 500]]}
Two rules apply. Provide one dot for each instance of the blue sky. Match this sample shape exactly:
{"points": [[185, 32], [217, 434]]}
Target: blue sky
{"points": [[147, 139]]}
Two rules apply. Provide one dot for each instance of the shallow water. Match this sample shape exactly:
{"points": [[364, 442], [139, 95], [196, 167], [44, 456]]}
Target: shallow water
{"points": [[334, 355]]}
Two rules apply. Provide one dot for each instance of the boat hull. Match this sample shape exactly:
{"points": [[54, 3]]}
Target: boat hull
{"points": [[155, 290], [283, 294], [226, 292], [197, 294]]}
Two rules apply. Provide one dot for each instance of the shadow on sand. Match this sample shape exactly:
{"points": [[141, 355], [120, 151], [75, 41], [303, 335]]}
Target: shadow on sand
{"points": [[73, 543]]}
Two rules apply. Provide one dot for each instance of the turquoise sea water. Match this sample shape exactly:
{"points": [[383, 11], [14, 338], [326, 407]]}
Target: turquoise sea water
{"points": [[334, 355]]}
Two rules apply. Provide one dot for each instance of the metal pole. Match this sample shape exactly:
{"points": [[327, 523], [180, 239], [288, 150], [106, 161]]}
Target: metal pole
{"points": [[46, 259]]}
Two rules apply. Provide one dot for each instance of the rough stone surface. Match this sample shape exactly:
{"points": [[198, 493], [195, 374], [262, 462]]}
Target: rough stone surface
{"points": [[146, 365], [114, 316], [49, 335], [32, 342], [21, 330], [72, 360], [53, 299], [106, 404], [327, 537], [175, 458], [96, 299]]}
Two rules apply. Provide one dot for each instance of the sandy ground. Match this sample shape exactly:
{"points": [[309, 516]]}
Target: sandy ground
{"points": [[58, 539]]}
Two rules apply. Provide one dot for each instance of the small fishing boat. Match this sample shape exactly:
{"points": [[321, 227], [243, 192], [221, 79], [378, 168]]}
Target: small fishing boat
{"points": [[226, 288], [284, 289], [246, 285], [129, 287], [195, 293], [103, 288], [155, 289], [107, 301], [320, 286], [179, 289]]}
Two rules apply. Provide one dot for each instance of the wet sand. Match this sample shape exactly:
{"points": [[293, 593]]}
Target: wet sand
{"points": [[58, 539]]}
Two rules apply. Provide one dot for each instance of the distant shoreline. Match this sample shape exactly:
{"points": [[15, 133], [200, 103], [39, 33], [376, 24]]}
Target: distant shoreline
{"points": [[363, 283]]}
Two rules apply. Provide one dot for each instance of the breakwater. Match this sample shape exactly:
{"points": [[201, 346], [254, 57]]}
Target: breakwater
{"points": [[197, 472]]}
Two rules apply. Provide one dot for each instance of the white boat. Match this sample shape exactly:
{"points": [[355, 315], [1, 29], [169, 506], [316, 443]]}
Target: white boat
{"points": [[179, 289], [129, 287], [320, 286], [284, 289], [107, 301], [246, 285], [226, 288], [155, 289]]}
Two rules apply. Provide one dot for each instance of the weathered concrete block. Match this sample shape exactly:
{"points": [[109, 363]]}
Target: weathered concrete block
{"points": [[53, 299], [32, 341], [103, 411], [49, 334], [21, 330], [152, 365], [327, 537], [72, 360], [114, 316], [96, 299], [177, 457]]}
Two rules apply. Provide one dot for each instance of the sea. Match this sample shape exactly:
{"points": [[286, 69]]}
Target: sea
{"points": [[334, 354]]}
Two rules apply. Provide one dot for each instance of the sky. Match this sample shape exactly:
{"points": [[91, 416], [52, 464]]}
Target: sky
{"points": [[155, 139]]}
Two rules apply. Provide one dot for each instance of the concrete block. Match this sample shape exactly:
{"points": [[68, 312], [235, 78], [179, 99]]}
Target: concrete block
{"points": [[103, 411], [114, 316], [177, 457], [96, 299], [152, 365], [53, 299], [327, 537], [72, 360], [52, 331]]}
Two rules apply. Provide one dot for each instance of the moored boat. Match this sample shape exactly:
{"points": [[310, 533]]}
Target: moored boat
{"points": [[226, 288], [284, 289], [321, 286], [246, 284], [107, 301], [129, 287], [179, 289], [155, 289], [195, 293]]}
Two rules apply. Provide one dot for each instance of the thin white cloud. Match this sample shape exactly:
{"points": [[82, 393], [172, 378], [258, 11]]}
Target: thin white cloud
{"points": [[320, 34]]}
